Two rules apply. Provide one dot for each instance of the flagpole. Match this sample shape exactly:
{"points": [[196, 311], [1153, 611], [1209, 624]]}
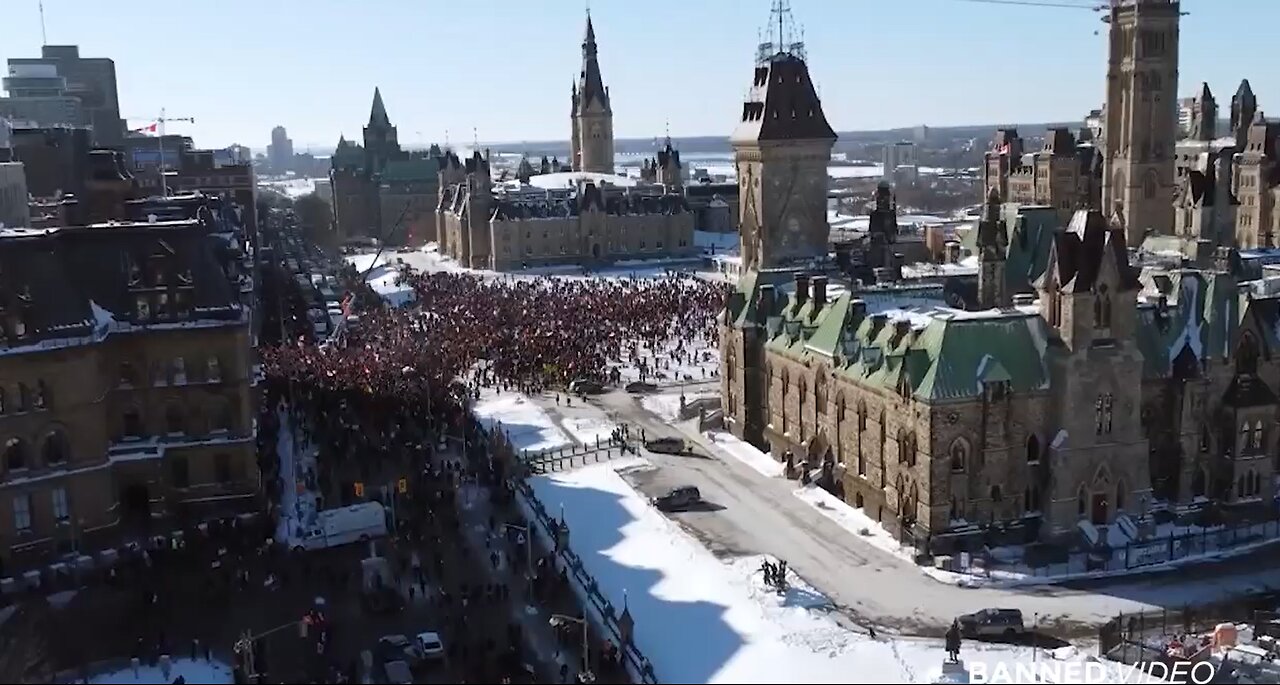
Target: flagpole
{"points": [[164, 183]]}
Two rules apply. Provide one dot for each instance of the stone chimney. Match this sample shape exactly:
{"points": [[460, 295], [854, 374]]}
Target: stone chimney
{"points": [[819, 291], [802, 289], [764, 303]]}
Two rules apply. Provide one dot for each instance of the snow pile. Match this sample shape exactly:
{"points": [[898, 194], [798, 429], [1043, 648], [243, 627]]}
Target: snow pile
{"points": [[667, 405], [746, 453], [525, 424], [852, 519], [700, 620], [298, 496], [193, 671], [589, 430]]}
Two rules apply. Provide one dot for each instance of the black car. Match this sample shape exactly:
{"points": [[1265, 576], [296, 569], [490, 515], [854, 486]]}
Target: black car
{"points": [[678, 499], [1001, 623], [586, 386], [640, 387], [666, 446]]}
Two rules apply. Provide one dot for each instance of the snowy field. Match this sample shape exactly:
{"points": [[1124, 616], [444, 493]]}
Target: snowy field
{"points": [[589, 430], [746, 453], [700, 619], [527, 426], [192, 671], [298, 496], [293, 188]]}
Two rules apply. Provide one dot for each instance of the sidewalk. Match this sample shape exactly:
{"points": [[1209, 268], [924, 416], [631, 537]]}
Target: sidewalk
{"points": [[474, 512]]}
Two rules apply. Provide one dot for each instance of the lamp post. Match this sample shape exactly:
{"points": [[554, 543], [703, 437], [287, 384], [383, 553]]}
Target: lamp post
{"points": [[528, 548], [558, 620]]}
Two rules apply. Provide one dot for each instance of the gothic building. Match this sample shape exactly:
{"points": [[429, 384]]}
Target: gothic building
{"points": [[381, 190], [1064, 405], [1065, 174], [550, 217]]}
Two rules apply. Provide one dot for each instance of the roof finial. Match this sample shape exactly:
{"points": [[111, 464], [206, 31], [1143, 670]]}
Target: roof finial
{"points": [[666, 126], [475, 139]]}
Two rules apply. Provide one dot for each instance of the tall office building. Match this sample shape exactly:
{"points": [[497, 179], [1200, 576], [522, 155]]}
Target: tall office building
{"points": [[280, 151], [90, 79], [37, 95]]}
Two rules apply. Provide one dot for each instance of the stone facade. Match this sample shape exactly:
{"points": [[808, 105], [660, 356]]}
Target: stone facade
{"points": [[125, 383], [1065, 174], [1141, 115], [591, 133], [382, 191]]}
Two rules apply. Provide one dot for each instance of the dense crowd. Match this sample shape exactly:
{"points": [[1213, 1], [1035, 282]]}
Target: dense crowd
{"points": [[526, 333]]}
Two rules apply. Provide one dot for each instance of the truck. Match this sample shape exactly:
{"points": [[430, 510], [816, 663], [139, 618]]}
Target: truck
{"points": [[345, 525]]}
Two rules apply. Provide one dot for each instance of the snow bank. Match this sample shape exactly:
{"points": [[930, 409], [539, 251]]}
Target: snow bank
{"points": [[701, 620], [852, 519], [525, 424], [746, 453], [193, 671], [667, 406]]}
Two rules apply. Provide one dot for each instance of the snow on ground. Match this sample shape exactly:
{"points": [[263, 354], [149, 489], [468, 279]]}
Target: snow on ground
{"points": [[589, 430], [667, 405], [701, 620], [746, 453], [193, 671], [852, 519], [298, 496], [293, 188], [526, 425]]}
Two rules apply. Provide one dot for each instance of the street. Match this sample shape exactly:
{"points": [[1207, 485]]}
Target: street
{"points": [[751, 514]]}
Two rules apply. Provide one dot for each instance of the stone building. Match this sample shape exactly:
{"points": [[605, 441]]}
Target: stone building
{"points": [[13, 195], [381, 190], [509, 226], [591, 134], [1063, 406], [125, 381], [1065, 174], [549, 217], [1141, 124]]}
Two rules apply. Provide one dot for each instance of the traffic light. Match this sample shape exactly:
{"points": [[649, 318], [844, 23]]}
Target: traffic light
{"points": [[359, 489], [402, 485]]}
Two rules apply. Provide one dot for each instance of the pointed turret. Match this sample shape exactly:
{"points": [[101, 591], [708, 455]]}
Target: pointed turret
{"points": [[1204, 116], [590, 88], [378, 112], [1244, 107], [993, 291]]}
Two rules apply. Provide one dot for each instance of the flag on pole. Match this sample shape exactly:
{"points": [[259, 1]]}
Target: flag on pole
{"points": [[149, 129]]}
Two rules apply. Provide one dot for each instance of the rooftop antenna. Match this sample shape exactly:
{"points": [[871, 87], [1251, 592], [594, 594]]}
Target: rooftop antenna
{"points": [[44, 39], [475, 139], [446, 139]]}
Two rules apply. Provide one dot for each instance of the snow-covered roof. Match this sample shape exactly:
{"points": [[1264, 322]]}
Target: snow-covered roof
{"points": [[565, 179]]}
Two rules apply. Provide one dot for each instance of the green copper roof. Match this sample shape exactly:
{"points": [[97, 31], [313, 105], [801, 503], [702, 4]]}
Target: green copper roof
{"points": [[412, 169]]}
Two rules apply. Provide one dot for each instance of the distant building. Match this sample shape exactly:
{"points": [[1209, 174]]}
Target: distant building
{"points": [[280, 151], [92, 80], [551, 217], [13, 195], [55, 158], [1186, 107], [901, 156], [381, 190], [921, 134], [37, 96], [1065, 174]]}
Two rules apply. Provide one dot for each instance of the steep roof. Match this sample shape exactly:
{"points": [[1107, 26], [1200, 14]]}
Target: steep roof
{"points": [[590, 87], [782, 104], [378, 112], [411, 169], [1080, 252]]}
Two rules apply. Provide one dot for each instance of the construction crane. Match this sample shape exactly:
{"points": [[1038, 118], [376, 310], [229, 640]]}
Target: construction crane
{"points": [[157, 126], [1104, 8]]}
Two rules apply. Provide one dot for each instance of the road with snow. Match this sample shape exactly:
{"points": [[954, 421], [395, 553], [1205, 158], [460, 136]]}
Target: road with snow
{"points": [[751, 513]]}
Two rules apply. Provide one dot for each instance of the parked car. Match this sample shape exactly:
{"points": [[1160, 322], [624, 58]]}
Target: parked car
{"points": [[399, 648], [678, 499], [586, 386], [430, 646], [669, 445], [640, 387], [398, 673], [1003, 623]]}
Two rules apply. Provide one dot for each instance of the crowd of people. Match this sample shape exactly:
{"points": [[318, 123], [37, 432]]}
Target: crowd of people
{"points": [[527, 333]]}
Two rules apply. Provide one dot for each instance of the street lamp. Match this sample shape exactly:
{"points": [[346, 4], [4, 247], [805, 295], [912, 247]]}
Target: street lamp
{"points": [[558, 620], [528, 547]]}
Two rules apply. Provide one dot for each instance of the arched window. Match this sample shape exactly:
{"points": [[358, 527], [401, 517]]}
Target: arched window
{"points": [[959, 455], [1081, 500], [1033, 449], [862, 416], [1198, 483], [24, 397], [42, 399], [1257, 436], [15, 454], [55, 449], [996, 495], [820, 392], [1240, 486], [1246, 438], [1031, 499], [1120, 495], [840, 408], [1102, 307], [1149, 186], [128, 376], [1204, 438], [173, 419]]}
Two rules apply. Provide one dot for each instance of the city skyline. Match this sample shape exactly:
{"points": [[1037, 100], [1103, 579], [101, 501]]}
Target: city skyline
{"points": [[923, 62]]}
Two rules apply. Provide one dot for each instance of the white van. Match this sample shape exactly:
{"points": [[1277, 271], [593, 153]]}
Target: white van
{"points": [[356, 523]]}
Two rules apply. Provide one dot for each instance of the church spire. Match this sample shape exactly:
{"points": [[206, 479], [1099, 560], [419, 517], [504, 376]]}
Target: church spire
{"points": [[590, 83], [378, 113]]}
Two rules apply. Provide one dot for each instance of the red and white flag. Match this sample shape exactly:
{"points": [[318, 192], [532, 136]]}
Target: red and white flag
{"points": [[149, 129]]}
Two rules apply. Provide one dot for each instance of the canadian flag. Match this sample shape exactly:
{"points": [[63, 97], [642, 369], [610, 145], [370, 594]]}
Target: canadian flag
{"points": [[146, 130]]}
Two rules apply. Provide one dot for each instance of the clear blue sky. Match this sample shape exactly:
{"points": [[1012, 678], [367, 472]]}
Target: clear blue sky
{"points": [[505, 66]]}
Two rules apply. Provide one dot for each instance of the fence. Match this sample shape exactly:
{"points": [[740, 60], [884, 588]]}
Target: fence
{"points": [[618, 625], [573, 455], [1133, 555], [1143, 637]]}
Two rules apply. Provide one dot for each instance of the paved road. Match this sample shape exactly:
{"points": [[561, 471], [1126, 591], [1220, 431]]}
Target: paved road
{"points": [[755, 514]]}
